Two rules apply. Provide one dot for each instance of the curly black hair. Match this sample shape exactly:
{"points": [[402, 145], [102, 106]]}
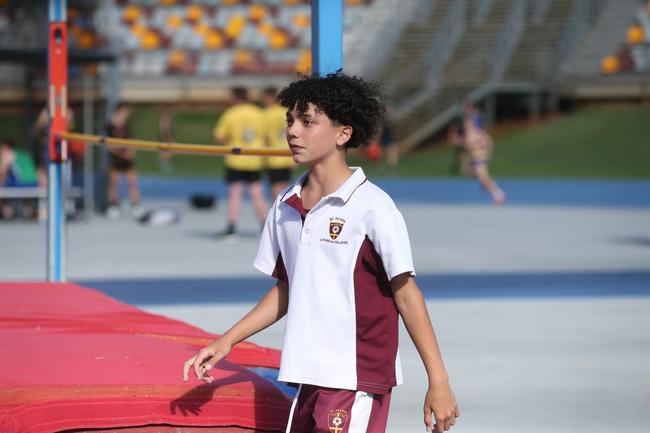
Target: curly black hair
{"points": [[346, 100]]}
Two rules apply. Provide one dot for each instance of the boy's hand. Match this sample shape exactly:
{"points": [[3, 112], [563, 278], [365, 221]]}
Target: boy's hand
{"points": [[441, 401], [205, 360]]}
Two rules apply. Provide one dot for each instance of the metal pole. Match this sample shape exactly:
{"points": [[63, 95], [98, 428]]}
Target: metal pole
{"points": [[58, 114], [326, 36]]}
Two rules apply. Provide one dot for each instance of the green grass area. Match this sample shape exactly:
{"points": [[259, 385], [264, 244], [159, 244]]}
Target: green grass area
{"points": [[596, 142], [604, 141], [190, 126], [599, 141]]}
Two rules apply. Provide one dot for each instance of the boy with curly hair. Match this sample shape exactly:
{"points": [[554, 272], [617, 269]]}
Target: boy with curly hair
{"points": [[339, 249]]}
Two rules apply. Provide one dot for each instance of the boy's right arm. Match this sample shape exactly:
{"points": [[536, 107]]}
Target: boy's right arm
{"points": [[268, 311]]}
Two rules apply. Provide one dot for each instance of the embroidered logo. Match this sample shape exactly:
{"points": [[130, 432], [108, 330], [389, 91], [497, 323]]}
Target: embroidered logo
{"points": [[336, 227], [336, 420]]}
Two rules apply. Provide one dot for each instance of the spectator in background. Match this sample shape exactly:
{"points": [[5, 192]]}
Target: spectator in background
{"points": [[478, 145], [121, 163], [7, 160], [241, 125], [166, 135], [275, 123], [11, 175], [471, 110], [7, 175], [461, 163]]}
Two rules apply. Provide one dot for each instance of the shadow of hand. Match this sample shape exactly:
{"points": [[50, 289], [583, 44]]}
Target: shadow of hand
{"points": [[193, 400]]}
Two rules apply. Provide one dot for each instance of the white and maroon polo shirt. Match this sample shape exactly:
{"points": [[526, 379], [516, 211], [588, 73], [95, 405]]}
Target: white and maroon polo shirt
{"points": [[338, 259]]}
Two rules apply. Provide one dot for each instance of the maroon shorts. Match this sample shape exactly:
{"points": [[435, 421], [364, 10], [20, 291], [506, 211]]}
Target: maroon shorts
{"points": [[325, 410]]}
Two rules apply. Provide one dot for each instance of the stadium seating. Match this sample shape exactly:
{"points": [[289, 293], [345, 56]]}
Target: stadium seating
{"points": [[210, 38], [633, 56], [205, 38]]}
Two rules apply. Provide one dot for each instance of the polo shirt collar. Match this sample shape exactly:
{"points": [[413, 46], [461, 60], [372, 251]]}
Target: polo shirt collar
{"points": [[344, 192]]}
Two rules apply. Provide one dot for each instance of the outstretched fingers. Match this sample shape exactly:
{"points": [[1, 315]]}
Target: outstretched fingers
{"points": [[186, 368]]}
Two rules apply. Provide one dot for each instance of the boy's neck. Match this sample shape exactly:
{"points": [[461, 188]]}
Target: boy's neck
{"points": [[324, 179]]}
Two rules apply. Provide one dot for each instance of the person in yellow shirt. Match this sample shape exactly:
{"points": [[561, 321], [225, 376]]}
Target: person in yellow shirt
{"points": [[275, 123], [242, 125]]}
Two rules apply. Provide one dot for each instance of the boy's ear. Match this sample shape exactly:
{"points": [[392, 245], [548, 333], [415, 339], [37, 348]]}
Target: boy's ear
{"points": [[344, 135]]}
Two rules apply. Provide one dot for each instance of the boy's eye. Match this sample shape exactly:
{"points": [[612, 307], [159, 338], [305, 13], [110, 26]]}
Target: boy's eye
{"points": [[307, 122]]}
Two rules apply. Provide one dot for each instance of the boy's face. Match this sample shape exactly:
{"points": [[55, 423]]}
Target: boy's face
{"points": [[313, 137]]}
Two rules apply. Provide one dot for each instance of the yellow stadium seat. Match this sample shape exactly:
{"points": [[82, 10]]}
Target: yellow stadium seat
{"points": [[635, 34], [610, 65], [354, 2], [265, 29], [303, 64], [242, 57], [213, 40], [167, 2], [292, 2], [86, 40], [150, 41], [131, 13], [301, 21], [235, 26], [138, 30], [230, 2], [278, 39], [194, 13], [177, 60], [201, 29], [257, 12], [174, 22]]}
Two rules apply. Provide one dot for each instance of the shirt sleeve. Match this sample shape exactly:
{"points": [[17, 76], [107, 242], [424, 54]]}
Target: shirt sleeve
{"points": [[268, 252], [387, 231], [280, 272]]}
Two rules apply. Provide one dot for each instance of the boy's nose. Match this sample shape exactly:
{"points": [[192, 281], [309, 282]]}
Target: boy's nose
{"points": [[291, 131]]}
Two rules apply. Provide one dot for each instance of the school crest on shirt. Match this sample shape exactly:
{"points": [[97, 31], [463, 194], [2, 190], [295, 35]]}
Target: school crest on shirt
{"points": [[336, 420], [336, 227]]}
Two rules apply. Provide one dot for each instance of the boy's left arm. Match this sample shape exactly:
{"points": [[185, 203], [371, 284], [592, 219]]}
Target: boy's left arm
{"points": [[440, 398]]}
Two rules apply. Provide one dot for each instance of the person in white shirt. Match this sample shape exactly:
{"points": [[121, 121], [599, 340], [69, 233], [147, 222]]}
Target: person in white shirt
{"points": [[339, 249]]}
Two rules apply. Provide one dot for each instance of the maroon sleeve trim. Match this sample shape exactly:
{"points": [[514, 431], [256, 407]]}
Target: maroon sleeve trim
{"points": [[280, 272]]}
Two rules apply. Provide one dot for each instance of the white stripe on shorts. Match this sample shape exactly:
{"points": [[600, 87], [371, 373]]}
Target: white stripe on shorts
{"points": [[293, 408], [360, 415]]}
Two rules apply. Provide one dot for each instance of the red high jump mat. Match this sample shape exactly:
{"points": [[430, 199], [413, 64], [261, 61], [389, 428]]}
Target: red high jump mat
{"points": [[74, 359]]}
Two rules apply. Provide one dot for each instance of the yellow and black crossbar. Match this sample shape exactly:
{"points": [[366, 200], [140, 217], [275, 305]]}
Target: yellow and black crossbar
{"points": [[157, 146]]}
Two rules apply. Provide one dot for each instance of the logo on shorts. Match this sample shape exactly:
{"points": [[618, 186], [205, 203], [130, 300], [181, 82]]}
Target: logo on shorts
{"points": [[336, 227], [336, 420]]}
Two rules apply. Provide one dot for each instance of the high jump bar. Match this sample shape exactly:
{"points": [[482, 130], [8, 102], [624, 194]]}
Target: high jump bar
{"points": [[199, 149]]}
